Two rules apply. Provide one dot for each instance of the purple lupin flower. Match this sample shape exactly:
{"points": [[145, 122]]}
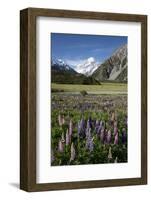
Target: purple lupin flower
{"points": [[109, 137], [60, 146], [89, 143], [98, 128], [81, 128], [124, 136], [97, 124], [116, 139], [70, 127], [72, 157], [88, 124], [88, 132]]}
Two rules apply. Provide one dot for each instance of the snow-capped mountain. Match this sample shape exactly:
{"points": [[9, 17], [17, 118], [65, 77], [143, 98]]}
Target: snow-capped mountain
{"points": [[87, 67], [63, 73], [59, 64]]}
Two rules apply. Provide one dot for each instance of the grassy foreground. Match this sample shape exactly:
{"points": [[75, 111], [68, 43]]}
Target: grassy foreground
{"points": [[106, 88]]}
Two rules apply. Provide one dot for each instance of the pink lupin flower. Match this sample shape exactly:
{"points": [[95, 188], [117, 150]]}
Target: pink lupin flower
{"points": [[116, 139], [115, 131], [60, 146], [62, 138], [63, 120], [72, 152], [102, 134], [67, 138], [109, 136], [70, 127], [60, 120]]}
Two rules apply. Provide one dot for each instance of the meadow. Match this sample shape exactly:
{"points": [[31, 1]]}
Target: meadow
{"points": [[104, 88], [90, 127]]}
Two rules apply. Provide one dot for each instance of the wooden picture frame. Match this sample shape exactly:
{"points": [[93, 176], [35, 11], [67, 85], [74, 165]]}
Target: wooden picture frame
{"points": [[28, 98]]}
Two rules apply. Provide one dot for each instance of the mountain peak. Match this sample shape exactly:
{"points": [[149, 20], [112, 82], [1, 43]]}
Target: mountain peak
{"points": [[87, 67]]}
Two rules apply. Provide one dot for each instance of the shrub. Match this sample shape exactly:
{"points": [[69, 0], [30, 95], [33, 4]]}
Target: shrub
{"points": [[83, 93]]}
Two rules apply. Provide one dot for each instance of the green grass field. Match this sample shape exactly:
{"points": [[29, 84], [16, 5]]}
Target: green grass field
{"points": [[104, 88]]}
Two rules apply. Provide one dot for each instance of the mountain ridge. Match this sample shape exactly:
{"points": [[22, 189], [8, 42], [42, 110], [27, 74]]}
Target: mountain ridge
{"points": [[113, 68]]}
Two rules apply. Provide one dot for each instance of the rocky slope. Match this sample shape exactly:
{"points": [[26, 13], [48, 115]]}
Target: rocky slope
{"points": [[114, 68]]}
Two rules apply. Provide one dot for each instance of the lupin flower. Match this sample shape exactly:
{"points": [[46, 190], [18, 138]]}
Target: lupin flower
{"points": [[67, 138], [98, 127], [60, 146], [110, 154], [115, 131], [108, 137], [63, 119], [62, 138], [88, 124], [72, 152], [89, 143], [116, 139], [102, 135], [70, 127], [81, 128], [88, 132]]}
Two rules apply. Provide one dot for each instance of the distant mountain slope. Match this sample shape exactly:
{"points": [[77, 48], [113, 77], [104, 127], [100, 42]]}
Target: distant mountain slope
{"points": [[114, 68], [64, 74], [87, 67]]}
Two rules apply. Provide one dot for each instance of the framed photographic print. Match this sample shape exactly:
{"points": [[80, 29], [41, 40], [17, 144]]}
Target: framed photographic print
{"points": [[83, 99]]}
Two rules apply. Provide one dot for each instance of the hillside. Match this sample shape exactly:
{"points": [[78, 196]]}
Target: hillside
{"points": [[113, 68]]}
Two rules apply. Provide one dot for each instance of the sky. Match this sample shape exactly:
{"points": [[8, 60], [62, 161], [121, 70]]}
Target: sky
{"points": [[76, 48]]}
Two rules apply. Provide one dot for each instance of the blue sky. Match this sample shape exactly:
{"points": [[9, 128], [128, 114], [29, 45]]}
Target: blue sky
{"points": [[75, 48]]}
